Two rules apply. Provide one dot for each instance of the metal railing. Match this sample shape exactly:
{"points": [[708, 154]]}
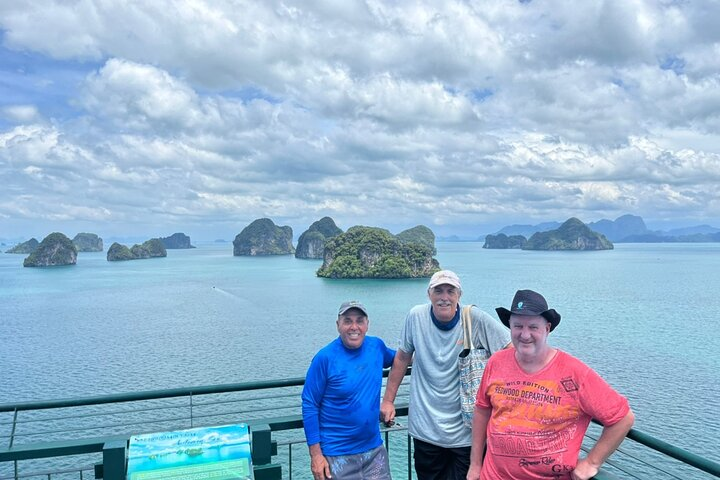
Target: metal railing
{"points": [[85, 437]]}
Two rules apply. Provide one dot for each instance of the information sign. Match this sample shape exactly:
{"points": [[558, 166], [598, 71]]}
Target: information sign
{"points": [[206, 453]]}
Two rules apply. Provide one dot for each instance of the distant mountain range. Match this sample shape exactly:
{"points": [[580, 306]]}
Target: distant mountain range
{"points": [[626, 229]]}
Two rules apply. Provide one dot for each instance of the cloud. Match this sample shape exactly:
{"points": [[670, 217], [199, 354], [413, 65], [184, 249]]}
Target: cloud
{"points": [[211, 114]]}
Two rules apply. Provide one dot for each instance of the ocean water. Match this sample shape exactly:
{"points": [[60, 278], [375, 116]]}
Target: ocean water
{"points": [[643, 315]]}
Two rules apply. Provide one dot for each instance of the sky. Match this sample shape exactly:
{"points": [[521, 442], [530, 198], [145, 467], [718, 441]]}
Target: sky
{"points": [[133, 118]]}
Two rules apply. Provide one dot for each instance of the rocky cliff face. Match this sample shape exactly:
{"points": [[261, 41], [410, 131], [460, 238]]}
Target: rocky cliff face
{"points": [[311, 243], [150, 249], [367, 252], [26, 247], [572, 235], [502, 241], [88, 242], [56, 249], [263, 237], [176, 241]]}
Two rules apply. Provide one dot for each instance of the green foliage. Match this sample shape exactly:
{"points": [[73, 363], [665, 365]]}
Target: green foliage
{"points": [[88, 242], [391, 267], [503, 241], [55, 249], [369, 252], [419, 234], [118, 252], [149, 249], [571, 235], [263, 237], [26, 247], [311, 243]]}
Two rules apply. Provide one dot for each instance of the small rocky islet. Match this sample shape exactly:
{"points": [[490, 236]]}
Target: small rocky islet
{"points": [[55, 250], [573, 234], [152, 248]]}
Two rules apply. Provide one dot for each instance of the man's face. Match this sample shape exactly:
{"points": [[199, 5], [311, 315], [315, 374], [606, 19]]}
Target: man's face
{"points": [[352, 327], [444, 299], [529, 333]]}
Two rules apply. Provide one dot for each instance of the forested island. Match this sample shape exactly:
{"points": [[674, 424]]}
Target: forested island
{"points": [[88, 242], [369, 252], [152, 248], [571, 235], [311, 243], [55, 250], [263, 237]]}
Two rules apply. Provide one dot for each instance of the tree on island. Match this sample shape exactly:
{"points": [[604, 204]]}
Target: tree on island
{"points": [[263, 237], [26, 247], [311, 243], [152, 248], [572, 235], [369, 252], [419, 234], [55, 250]]}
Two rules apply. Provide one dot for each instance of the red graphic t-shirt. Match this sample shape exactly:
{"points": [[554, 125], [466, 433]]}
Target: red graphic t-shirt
{"points": [[538, 420]]}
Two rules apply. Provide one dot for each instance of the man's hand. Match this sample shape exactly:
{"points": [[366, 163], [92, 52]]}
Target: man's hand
{"points": [[319, 465], [387, 411], [584, 470]]}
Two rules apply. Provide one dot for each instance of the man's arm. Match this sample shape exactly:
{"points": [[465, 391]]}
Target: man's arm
{"points": [[397, 372], [318, 463], [312, 397], [609, 441], [481, 417]]}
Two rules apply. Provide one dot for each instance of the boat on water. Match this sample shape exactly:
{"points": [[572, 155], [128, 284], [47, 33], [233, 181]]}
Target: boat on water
{"points": [[89, 437]]}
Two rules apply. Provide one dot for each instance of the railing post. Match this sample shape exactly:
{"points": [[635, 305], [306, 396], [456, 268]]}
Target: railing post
{"points": [[262, 454], [191, 410], [12, 433], [114, 460]]}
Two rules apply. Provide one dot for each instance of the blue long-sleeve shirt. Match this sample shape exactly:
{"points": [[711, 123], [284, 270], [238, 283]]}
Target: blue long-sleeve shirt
{"points": [[341, 397]]}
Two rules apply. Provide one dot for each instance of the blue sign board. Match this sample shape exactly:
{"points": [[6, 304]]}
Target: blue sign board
{"points": [[212, 453]]}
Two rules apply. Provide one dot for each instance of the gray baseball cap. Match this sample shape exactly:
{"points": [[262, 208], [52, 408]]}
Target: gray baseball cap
{"points": [[352, 304]]}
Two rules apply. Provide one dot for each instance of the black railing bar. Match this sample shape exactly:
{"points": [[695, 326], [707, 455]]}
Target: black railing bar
{"points": [[299, 440], [622, 451], [97, 414], [237, 400], [48, 472], [153, 394], [141, 410], [149, 409], [14, 424], [156, 394], [67, 430]]}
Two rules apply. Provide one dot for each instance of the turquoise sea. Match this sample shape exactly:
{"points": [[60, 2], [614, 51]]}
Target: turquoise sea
{"points": [[645, 316]]}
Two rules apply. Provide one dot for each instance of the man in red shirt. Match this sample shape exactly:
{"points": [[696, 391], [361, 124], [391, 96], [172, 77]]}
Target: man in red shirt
{"points": [[535, 403]]}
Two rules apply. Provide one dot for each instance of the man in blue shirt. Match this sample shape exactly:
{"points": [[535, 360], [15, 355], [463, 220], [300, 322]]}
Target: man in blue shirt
{"points": [[341, 402]]}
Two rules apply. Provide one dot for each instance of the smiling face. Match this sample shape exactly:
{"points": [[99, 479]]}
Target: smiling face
{"points": [[444, 299], [529, 334], [352, 327]]}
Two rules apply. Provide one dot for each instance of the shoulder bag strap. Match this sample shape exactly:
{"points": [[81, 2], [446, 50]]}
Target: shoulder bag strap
{"points": [[467, 327]]}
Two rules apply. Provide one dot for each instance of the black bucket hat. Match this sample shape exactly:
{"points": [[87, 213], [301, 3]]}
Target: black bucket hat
{"points": [[529, 303]]}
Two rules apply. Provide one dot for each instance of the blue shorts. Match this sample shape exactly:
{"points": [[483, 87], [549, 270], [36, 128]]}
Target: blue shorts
{"points": [[370, 465]]}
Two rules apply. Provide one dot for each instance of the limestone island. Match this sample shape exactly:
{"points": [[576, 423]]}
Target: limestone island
{"points": [[152, 248], [55, 250], [501, 241], [88, 242], [419, 234], [369, 252], [311, 243], [263, 237], [26, 247], [571, 235], [176, 241]]}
